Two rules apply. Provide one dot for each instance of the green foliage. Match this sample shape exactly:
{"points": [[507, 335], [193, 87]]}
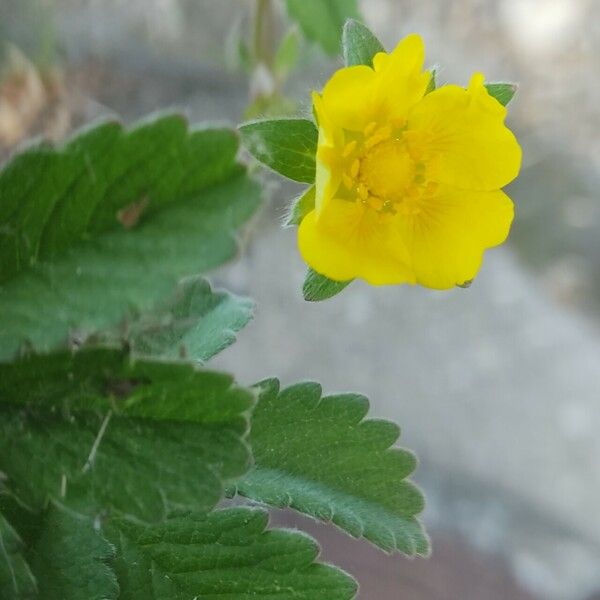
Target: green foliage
{"points": [[100, 432], [359, 45], [287, 53], [225, 554], [16, 578], [288, 146], [322, 20], [317, 287], [111, 222], [319, 456], [115, 445], [432, 85], [503, 92], [70, 559], [301, 206], [195, 324]]}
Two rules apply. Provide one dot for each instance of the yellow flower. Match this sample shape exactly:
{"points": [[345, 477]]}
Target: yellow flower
{"points": [[407, 183]]}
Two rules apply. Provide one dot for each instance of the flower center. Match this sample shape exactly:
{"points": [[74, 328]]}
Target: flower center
{"points": [[380, 172], [387, 170]]}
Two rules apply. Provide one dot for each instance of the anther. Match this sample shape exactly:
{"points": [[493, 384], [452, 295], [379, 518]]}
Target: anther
{"points": [[370, 128], [354, 168], [349, 149]]}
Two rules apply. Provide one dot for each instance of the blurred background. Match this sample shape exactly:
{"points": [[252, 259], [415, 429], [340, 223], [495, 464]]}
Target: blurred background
{"points": [[497, 388]]}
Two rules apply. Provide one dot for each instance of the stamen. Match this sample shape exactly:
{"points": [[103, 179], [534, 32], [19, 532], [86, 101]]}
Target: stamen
{"points": [[370, 128], [348, 181], [431, 187], [349, 149], [354, 168], [363, 192], [379, 136]]}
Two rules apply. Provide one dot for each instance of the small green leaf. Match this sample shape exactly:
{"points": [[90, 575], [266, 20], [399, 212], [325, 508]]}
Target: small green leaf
{"points": [[16, 579], [99, 432], [432, 85], [196, 324], [320, 457], [317, 287], [359, 45], [287, 53], [288, 146], [503, 92], [70, 559], [225, 554], [322, 20], [301, 206]]}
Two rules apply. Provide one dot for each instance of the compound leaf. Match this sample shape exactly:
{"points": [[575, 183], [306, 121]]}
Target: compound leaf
{"points": [[111, 222], [225, 554], [195, 324], [99, 432], [16, 579], [70, 559], [320, 457]]}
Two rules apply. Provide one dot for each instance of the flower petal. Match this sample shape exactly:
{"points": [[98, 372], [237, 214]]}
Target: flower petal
{"points": [[466, 142], [346, 97], [401, 81], [447, 239], [348, 240]]}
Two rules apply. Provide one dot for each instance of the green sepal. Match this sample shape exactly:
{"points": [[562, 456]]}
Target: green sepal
{"points": [[359, 45], [301, 206], [503, 92], [317, 287], [287, 146]]}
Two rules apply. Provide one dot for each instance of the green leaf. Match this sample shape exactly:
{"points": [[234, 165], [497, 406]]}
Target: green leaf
{"points": [[113, 220], [287, 53], [288, 146], [196, 324], [320, 457], [225, 554], [503, 92], [99, 432], [359, 45], [322, 21], [301, 206], [317, 287], [70, 559], [16, 579]]}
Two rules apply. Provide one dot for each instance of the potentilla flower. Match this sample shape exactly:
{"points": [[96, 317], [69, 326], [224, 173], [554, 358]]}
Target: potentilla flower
{"points": [[407, 182]]}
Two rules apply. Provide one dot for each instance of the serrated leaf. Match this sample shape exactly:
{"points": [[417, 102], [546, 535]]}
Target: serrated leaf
{"points": [[113, 220], [196, 324], [287, 146], [317, 287], [70, 559], [96, 431], [225, 554], [16, 579], [503, 92], [320, 457], [301, 206], [359, 45], [322, 21]]}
